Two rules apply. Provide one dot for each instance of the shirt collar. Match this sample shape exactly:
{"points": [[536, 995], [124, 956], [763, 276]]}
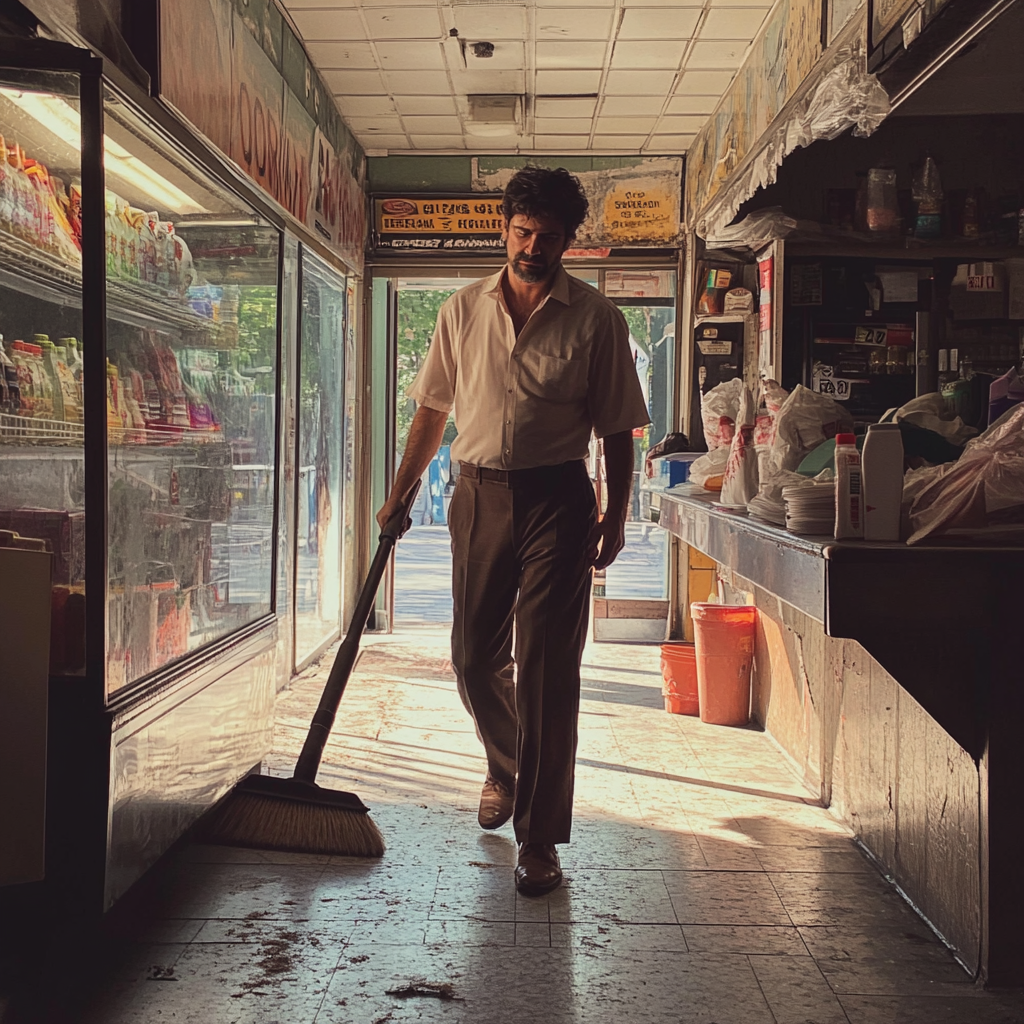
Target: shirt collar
{"points": [[559, 288]]}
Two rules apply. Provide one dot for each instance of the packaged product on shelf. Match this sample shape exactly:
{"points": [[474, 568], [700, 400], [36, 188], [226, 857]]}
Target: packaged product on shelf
{"points": [[5, 380], [26, 382], [147, 247], [112, 235], [70, 397], [205, 300], [183, 275], [115, 425], [131, 414], [56, 235], [43, 384], [49, 360]]}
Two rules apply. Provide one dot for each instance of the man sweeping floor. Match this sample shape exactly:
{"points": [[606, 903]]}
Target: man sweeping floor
{"points": [[533, 362]]}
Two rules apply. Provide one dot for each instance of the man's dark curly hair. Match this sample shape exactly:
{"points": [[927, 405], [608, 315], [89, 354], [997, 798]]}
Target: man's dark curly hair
{"points": [[541, 191]]}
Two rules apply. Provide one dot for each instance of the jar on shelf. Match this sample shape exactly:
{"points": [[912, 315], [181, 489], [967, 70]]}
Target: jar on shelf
{"points": [[882, 205]]}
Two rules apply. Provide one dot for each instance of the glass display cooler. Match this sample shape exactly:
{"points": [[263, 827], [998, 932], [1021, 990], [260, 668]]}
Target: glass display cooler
{"points": [[139, 438]]}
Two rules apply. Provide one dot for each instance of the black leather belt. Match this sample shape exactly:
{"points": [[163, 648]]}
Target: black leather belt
{"points": [[518, 477]]}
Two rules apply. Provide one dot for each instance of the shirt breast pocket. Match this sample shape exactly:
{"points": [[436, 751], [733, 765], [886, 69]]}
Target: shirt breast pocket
{"points": [[562, 380]]}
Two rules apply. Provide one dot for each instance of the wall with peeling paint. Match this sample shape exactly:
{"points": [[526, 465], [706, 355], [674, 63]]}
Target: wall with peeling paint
{"points": [[879, 761]]}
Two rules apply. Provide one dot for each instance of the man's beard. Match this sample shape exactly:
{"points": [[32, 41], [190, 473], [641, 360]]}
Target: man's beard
{"points": [[529, 272]]}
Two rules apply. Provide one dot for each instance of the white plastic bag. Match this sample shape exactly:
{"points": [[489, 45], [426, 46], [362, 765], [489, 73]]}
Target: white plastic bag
{"points": [[708, 470], [932, 413], [719, 409], [739, 482], [984, 488]]}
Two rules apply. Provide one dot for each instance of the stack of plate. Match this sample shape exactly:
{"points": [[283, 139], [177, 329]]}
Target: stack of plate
{"points": [[810, 508], [769, 509]]}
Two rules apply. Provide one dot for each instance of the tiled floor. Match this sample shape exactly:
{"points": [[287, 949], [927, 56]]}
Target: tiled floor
{"points": [[703, 885]]}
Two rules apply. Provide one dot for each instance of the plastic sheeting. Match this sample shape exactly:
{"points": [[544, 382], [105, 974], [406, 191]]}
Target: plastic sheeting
{"points": [[845, 97]]}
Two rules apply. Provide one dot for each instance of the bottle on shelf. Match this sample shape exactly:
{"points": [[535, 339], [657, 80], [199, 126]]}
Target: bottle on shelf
{"points": [[26, 381], [928, 195], [849, 489], [883, 481], [881, 201], [49, 360], [41, 380], [70, 395], [5, 386], [971, 224]]}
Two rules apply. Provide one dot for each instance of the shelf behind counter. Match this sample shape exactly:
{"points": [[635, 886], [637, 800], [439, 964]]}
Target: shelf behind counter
{"points": [[935, 617]]}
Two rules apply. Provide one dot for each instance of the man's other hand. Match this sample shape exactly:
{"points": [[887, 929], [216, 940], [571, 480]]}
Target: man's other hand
{"points": [[607, 539]]}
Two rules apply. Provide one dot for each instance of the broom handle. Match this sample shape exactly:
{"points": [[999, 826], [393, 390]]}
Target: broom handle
{"points": [[323, 721]]}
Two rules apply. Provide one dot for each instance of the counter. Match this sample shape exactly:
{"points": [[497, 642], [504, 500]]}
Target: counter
{"points": [[889, 673]]}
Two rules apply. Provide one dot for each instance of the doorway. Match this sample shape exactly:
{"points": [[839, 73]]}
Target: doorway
{"points": [[631, 598]]}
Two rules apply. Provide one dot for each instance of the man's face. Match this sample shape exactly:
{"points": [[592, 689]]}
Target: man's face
{"points": [[534, 246]]}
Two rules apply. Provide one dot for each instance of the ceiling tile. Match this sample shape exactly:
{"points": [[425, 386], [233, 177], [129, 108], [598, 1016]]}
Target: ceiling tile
{"points": [[364, 106], [567, 82], [638, 83], [688, 124], [547, 4], [342, 55], [624, 125], [438, 141], [627, 106], [670, 143], [398, 3], [364, 125], [429, 83], [704, 83], [354, 83], [619, 141], [295, 5], [488, 21], [732, 23], [562, 125], [406, 56], [556, 55], [507, 56], [386, 141], [559, 142], [719, 54], [692, 104], [557, 106], [467, 82], [425, 125], [741, 3], [574, 23], [411, 105], [649, 53], [340, 24], [659, 23], [403, 23]]}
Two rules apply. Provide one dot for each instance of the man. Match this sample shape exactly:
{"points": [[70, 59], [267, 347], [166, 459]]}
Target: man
{"points": [[533, 361]]}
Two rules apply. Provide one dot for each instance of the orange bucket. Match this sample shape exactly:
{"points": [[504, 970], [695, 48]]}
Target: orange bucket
{"points": [[724, 636], [679, 672]]}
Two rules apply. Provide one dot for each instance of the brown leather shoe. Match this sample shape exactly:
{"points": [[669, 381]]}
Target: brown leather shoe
{"points": [[496, 803], [538, 870]]}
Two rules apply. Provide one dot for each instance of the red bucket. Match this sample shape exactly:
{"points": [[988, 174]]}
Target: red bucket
{"points": [[724, 636], [679, 672]]}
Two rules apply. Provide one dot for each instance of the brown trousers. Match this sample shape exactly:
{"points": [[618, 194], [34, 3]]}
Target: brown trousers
{"points": [[520, 571]]}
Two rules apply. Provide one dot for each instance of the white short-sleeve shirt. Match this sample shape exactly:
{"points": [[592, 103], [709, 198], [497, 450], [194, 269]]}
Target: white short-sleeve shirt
{"points": [[531, 401]]}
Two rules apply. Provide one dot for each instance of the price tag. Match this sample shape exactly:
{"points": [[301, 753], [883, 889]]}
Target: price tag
{"points": [[871, 336], [715, 348], [836, 388]]}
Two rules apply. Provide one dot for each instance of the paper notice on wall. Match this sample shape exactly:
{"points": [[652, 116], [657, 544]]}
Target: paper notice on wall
{"points": [[898, 285], [824, 383]]}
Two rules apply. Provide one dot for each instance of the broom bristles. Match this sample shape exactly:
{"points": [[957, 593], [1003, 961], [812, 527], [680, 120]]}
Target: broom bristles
{"points": [[263, 822]]}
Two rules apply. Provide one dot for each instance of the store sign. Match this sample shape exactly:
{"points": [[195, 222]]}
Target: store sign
{"points": [[634, 214], [447, 222], [824, 383], [246, 83]]}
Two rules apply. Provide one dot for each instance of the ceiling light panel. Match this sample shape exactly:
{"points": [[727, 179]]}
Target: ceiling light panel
{"points": [[568, 82], [560, 106], [354, 83], [658, 23], [408, 56], [490, 21], [342, 55], [345, 24], [648, 53], [403, 22], [574, 23], [412, 105], [552, 55], [732, 23], [638, 83]]}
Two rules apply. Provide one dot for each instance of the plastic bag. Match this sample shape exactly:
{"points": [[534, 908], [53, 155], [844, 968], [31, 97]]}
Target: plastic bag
{"points": [[984, 488], [708, 470], [739, 482], [804, 421], [719, 409], [932, 413]]}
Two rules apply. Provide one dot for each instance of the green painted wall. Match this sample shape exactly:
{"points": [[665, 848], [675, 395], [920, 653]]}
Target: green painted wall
{"points": [[455, 173]]}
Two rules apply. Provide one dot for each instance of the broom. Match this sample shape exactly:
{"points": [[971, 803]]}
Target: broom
{"points": [[270, 813]]}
